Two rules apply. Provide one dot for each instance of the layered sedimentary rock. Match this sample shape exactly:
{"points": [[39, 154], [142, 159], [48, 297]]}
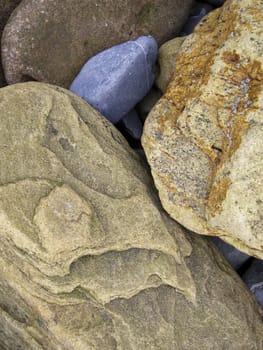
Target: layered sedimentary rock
{"points": [[88, 259], [204, 139], [51, 40]]}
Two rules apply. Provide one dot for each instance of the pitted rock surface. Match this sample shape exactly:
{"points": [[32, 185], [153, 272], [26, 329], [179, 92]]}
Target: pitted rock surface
{"points": [[88, 259], [204, 139], [51, 40]]}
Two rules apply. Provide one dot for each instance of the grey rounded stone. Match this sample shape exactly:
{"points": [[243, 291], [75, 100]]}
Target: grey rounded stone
{"points": [[116, 79], [234, 256], [197, 13], [132, 124], [253, 278], [216, 3]]}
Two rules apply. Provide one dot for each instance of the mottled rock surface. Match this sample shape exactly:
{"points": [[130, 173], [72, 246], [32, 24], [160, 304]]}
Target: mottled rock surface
{"points": [[6, 8], [51, 40], [204, 139], [88, 259]]}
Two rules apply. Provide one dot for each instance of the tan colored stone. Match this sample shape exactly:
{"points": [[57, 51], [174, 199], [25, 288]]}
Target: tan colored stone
{"points": [[50, 41], [204, 139], [88, 259], [146, 104], [167, 56]]}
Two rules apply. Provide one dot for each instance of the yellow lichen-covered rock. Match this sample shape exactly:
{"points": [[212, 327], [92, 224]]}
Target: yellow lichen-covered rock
{"points": [[88, 259], [204, 139]]}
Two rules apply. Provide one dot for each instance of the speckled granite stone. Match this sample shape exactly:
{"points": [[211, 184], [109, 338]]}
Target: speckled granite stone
{"points": [[204, 138]]}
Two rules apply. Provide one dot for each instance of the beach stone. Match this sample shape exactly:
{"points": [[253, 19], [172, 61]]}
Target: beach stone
{"points": [[6, 8], [89, 260], [51, 40], [116, 79], [204, 138], [253, 278], [167, 57], [235, 258], [215, 3], [133, 124], [146, 104], [198, 11]]}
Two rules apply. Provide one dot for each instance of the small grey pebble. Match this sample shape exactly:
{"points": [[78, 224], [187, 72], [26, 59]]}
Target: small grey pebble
{"points": [[133, 125], [235, 257], [197, 13], [253, 277], [216, 3], [116, 79]]}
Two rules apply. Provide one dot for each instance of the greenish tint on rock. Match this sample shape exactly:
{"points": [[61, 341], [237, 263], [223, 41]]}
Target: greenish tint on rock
{"points": [[88, 258]]}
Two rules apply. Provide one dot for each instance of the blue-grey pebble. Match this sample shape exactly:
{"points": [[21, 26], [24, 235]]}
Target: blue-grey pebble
{"points": [[116, 79], [197, 13], [253, 277], [216, 3], [132, 124], [235, 257]]}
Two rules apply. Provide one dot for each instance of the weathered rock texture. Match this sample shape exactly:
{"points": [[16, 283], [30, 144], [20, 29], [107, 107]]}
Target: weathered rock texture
{"points": [[204, 138], [51, 40], [88, 258], [6, 8]]}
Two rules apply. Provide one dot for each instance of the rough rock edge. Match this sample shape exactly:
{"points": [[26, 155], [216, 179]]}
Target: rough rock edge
{"points": [[196, 68]]}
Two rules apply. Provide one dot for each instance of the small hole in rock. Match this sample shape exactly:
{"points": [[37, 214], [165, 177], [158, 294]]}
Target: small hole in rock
{"points": [[217, 149]]}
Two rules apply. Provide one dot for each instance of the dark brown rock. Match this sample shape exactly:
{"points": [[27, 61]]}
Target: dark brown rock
{"points": [[6, 8], [50, 40]]}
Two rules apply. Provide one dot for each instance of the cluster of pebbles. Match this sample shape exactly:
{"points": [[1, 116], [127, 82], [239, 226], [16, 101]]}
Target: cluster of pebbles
{"points": [[121, 83], [116, 81]]}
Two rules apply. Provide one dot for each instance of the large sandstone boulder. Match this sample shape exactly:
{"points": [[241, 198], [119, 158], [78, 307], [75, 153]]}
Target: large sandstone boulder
{"points": [[6, 8], [89, 260], [51, 40], [204, 138]]}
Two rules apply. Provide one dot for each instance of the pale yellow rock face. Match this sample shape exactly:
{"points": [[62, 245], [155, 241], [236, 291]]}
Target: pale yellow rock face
{"points": [[88, 258], [204, 138]]}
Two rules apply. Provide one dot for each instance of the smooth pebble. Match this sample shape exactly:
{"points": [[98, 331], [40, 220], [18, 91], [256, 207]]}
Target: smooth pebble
{"points": [[253, 277], [234, 256], [116, 79]]}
